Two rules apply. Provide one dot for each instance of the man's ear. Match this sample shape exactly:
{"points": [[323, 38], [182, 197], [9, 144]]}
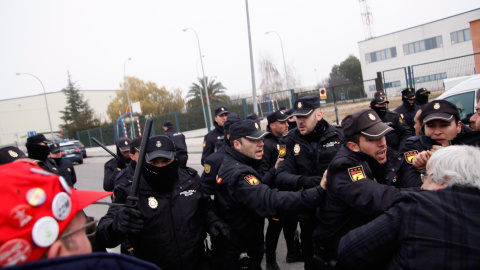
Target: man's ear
{"points": [[319, 115], [236, 144], [353, 146], [459, 127], [55, 250]]}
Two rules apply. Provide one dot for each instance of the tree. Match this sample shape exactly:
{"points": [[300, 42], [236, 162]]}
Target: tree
{"points": [[216, 93], [153, 100], [77, 114], [348, 72], [272, 80]]}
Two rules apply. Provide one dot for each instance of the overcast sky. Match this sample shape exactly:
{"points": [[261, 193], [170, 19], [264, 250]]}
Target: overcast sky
{"points": [[92, 39]]}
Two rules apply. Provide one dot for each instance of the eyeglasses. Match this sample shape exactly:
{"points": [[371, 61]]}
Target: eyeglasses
{"points": [[423, 176], [86, 225]]}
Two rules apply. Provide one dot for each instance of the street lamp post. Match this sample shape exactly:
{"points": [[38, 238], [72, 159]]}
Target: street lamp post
{"points": [[204, 81], [284, 64], [252, 69], [196, 65], [128, 98], [46, 103]]}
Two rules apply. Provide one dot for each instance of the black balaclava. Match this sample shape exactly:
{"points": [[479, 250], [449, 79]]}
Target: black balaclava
{"points": [[421, 99], [408, 102], [37, 151], [381, 111], [161, 178]]}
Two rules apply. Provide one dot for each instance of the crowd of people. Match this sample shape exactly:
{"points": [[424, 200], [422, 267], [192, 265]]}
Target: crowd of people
{"points": [[382, 190]]}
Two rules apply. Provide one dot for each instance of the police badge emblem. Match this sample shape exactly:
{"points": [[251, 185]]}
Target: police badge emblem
{"points": [[296, 149], [12, 153], [436, 106], [152, 202], [252, 180], [158, 144], [207, 168], [356, 173], [372, 117]]}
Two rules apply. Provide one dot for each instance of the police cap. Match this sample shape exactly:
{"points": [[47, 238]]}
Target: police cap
{"points": [[160, 146], [422, 91], [135, 145], [305, 106], [247, 129], [408, 92], [231, 118], [123, 144], [221, 110], [39, 138], [378, 100], [168, 123], [439, 110], [366, 123], [54, 147], [279, 116], [10, 153]]}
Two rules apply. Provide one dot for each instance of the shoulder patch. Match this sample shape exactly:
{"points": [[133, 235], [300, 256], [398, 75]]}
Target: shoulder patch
{"points": [[400, 120], [207, 168], [251, 180], [410, 155], [282, 150], [356, 173], [219, 180], [204, 143]]}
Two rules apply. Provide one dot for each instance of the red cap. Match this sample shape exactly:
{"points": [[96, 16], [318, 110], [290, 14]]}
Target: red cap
{"points": [[36, 208]]}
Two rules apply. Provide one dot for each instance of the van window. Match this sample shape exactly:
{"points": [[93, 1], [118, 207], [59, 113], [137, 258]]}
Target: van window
{"points": [[465, 103]]}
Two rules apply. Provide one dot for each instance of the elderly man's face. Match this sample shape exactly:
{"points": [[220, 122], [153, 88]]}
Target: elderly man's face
{"points": [[428, 183], [251, 149], [75, 244]]}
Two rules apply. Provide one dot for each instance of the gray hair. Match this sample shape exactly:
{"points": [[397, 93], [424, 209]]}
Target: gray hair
{"points": [[456, 165]]}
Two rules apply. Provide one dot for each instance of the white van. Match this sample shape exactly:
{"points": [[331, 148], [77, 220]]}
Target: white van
{"points": [[464, 95]]}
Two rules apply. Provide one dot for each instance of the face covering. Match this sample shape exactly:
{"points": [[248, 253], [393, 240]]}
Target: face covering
{"points": [[408, 102], [381, 111], [422, 99], [37, 151], [161, 178]]}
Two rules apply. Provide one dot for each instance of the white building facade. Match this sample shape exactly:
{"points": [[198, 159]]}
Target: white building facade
{"points": [[393, 53]]}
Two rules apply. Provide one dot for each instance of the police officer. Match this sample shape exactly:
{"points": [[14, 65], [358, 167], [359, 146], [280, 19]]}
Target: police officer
{"points": [[179, 140], [214, 161], [421, 97], [310, 148], [400, 133], [10, 153], [408, 108], [216, 134], [169, 224], [243, 201], [38, 150], [274, 151], [115, 165], [362, 179], [65, 166]]}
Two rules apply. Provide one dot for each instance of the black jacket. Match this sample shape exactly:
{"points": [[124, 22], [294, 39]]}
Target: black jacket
{"points": [[271, 150], [209, 141], [244, 202], [65, 169], [396, 138], [407, 113], [358, 190], [174, 231], [305, 159], [180, 146], [211, 167]]}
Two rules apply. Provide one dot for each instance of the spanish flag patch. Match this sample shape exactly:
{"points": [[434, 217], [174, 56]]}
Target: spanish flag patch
{"points": [[207, 168], [251, 180], [204, 143], [410, 155], [219, 180], [356, 173], [282, 151]]}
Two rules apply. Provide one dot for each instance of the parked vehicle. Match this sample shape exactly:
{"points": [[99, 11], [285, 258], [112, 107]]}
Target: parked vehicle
{"points": [[463, 95], [71, 152], [80, 145]]}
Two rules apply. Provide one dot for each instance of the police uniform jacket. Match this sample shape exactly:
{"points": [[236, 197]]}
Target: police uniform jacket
{"points": [[65, 169], [359, 189], [111, 169], [307, 159], [271, 152], [210, 170], [179, 140], [209, 141], [396, 138], [408, 114], [175, 223], [244, 202], [48, 165]]}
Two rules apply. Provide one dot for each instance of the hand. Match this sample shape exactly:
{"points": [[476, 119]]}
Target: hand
{"points": [[219, 228], [420, 161], [128, 221], [436, 148], [306, 182], [323, 183], [279, 160]]}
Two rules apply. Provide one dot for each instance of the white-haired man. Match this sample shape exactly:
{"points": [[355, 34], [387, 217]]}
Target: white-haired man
{"points": [[427, 229]]}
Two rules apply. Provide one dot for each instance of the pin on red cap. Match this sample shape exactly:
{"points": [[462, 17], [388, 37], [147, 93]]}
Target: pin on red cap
{"points": [[36, 209]]}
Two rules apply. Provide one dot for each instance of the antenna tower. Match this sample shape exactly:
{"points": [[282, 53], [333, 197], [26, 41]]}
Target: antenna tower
{"points": [[367, 18]]}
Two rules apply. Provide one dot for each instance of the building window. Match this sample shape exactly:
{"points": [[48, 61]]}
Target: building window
{"points": [[461, 36], [423, 45], [381, 55], [387, 85], [432, 77]]}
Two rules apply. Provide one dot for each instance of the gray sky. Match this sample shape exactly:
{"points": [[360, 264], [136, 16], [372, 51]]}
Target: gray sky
{"points": [[92, 39]]}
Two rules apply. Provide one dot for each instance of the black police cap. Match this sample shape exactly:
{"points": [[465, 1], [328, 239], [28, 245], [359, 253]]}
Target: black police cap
{"points": [[123, 144], [39, 138], [422, 91], [168, 123], [366, 123], [160, 146], [305, 106], [221, 110], [247, 129], [439, 110], [54, 147], [279, 116], [9, 154], [231, 118], [135, 145], [254, 117], [408, 92], [378, 100]]}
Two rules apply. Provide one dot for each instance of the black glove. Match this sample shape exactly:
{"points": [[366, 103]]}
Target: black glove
{"points": [[128, 221], [307, 182], [219, 228]]}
